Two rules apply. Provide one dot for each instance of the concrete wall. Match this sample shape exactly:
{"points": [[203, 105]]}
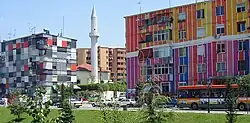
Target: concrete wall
{"points": [[84, 76]]}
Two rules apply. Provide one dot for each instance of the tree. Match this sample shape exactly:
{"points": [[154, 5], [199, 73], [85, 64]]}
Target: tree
{"points": [[38, 108], [245, 87], [152, 98], [231, 100], [17, 107], [66, 113]]}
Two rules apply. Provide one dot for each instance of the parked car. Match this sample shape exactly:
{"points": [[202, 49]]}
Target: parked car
{"points": [[105, 102], [127, 102], [76, 102]]}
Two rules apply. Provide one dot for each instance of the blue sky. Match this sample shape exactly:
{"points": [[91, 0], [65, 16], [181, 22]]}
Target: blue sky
{"points": [[15, 16]]}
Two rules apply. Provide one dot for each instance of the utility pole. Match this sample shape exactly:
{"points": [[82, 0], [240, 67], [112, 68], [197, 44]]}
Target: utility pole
{"points": [[209, 94]]}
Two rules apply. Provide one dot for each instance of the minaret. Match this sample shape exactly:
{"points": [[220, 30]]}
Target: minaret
{"points": [[94, 36]]}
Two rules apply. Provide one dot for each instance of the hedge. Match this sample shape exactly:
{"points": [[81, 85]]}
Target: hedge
{"points": [[104, 87]]}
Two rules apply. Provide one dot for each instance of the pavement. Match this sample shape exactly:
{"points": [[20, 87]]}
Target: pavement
{"points": [[173, 109]]}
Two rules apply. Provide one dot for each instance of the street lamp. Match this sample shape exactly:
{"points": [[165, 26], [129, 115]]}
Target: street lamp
{"points": [[209, 94]]}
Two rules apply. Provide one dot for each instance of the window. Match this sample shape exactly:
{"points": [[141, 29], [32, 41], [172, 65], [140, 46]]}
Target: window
{"points": [[201, 50], [201, 68], [221, 66], [200, 32], [220, 29], [182, 52], [162, 35], [220, 48], [219, 10], [242, 46], [182, 83], [165, 87], [148, 22], [182, 69], [55, 43], [155, 36], [182, 34], [163, 69], [168, 69], [157, 69], [241, 26], [149, 70], [54, 67], [242, 65], [149, 38], [240, 7], [162, 52], [159, 35], [182, 16], [200, 14]]}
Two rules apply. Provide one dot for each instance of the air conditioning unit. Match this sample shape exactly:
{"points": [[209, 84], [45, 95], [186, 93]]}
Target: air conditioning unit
{"points": [[217, 36]]}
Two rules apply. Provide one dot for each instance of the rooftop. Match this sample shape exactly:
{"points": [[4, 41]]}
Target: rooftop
{"points": [[37, 34], [176, 6], [87, 67], [119, 47]]}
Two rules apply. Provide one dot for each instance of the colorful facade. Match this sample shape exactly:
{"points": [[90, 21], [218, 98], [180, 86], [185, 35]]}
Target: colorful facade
{"points": [[188, 45], [38, 59]]}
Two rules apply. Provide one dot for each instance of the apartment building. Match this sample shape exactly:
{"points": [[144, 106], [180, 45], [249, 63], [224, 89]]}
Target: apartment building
{"points": [[188, 45], [109, 59], [38, 59]]}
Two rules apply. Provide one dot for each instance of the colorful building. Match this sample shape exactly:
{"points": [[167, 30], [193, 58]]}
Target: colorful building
{"points": [[188, 45], [38, 59]]}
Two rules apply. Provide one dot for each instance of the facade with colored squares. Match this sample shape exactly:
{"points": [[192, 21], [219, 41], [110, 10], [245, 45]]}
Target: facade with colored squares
{"points": [[38, 59], [188, 45]]}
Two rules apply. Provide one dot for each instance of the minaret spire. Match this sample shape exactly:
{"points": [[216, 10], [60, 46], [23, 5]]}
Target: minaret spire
{"points": [[94, 35], [93, 12]]}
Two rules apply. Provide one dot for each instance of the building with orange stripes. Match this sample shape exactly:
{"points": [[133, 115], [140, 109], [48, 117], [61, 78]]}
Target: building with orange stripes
{"points": [[38, 59], [188, 45]]}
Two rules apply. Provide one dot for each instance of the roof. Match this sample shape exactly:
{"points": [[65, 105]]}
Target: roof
{"points": [[172, 7], [38, 34], [102, 46], [87, 67]]}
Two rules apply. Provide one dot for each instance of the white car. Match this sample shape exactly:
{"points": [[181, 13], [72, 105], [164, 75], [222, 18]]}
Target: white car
{"points": [[76, 102], [105, 102], [127, 102]]}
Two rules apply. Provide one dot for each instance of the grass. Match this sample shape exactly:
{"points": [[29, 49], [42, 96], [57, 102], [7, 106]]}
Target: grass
{"points": [[84, 116]]}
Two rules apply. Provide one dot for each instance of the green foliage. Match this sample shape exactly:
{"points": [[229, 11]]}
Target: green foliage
{"points": [[105, 114], [100, 87], [112, 114], [152, 99], [17, 107], [159, 99], [84, 94], [66, 114], [231, 101], [38, 108], [245, 85]]}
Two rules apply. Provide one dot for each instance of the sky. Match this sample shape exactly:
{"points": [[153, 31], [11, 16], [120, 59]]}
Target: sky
{"points": [[17, 17]]}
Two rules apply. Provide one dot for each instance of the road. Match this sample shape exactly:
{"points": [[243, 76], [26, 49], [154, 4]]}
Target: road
{"points": [[217, 111]]}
